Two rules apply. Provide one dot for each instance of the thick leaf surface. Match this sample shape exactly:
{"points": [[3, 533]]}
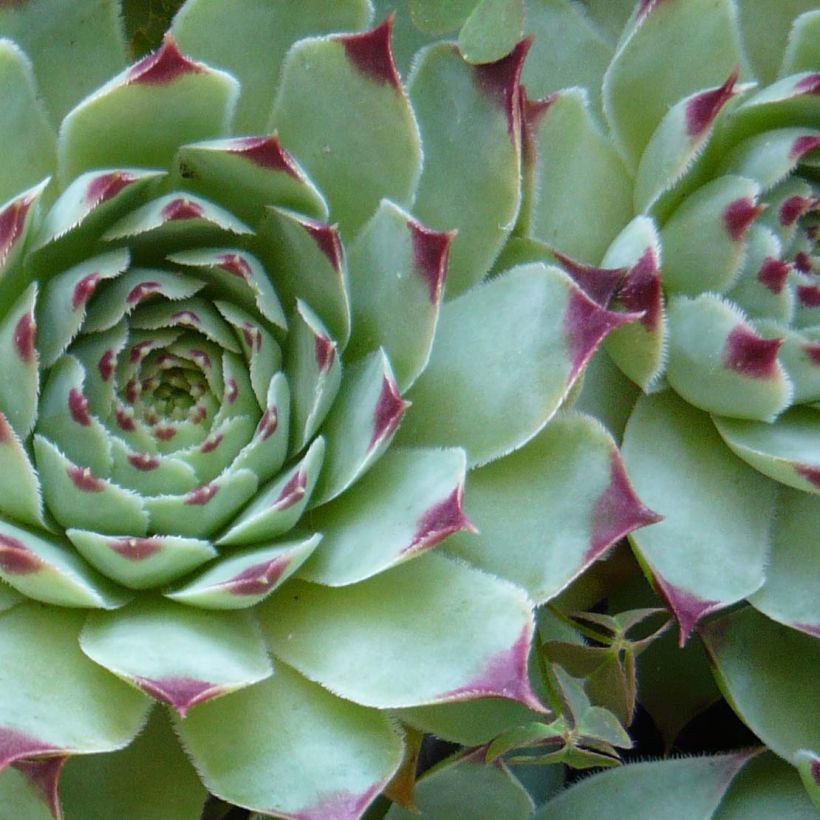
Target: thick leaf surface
{"points": [[20, 376], [710, 550], [287, 746], [20, 494], [492, 30], [460, 635]]}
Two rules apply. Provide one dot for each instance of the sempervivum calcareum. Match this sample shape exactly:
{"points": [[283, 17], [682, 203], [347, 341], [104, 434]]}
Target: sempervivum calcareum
{"points": [[214, 495]]}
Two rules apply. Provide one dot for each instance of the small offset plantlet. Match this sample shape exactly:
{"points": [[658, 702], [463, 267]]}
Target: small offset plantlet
{"points": [[308, 451]]}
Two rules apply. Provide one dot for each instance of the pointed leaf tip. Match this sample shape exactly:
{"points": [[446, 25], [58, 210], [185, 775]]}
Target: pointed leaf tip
{"points": [[390, 410], [431, 252], [327, 238], [739, 216], [703, 108], [16, 746], [178, 692], [750, 355], [372, 53], [773, 274], [687, 608], [803, 145], [440, 522], [25, 337], [501, 81], [12, 222], [44, 777], [107, 186], [16, 558], [164, 66], [340, 806], [600, 284], [266, 152]]}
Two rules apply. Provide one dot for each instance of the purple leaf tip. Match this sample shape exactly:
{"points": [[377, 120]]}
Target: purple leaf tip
{"points": [[811, 474], [202, 495], [809, 295], [16, 558], [339, 805], [44, 776], [12, 220], [266, 152], [703, 108], [164, 66], [107, 186], [773, 274], [739, 216], [501, 82], [802, 146], [809, 85], [84, 480], [641, 290], [78, 407], [372, 53], [179, 692], [750, 355], [327, 238], [325, 353], [258, 579], [181, 208], [600, 284], [440, 522], [793, 208], [687, 608], [16, 746], [389, 412], [25, 338], [136, 549], [431, 252], [293, 491]]}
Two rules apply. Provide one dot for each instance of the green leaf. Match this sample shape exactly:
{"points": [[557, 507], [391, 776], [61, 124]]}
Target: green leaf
{"points": [[492, 30], [673, 789], [467, 787], [710, 550], [177, 654], [478, 191], [767, 787], [212, 31], [787, 450], [766, 672], [74, 48], [576, 172], [329, 87], [720, 364], [29, 147], [142, 780], [44, 568], [396, 306], [435, 17], [513, 500], [410, 501], [807, 763], [504, 358], [670, 51], [17, 216], [23, 796], [20, 376], [146, 113], [460, 635], [800, 53], [20, 493], [82, 710], [287, 746]]}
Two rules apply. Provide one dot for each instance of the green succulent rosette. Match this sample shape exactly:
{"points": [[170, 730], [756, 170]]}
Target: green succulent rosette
{"points": [[236, 413]]}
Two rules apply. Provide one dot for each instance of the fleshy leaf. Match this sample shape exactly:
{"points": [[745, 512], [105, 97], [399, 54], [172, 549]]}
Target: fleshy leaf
{"points": [[20, 493], [710, 550], [329, 87], [477, 191], [410, 501], [24, 796], [787, 450], [20, 376], [513, 500], [766, 672], [46, 569], [142, 780], [245, 577], [492, 30], [243, 747], [801, 53], [504, 358], [16, 221], [141, 563], [146, 112], [331, 634], [82, 710], [396, 306]]}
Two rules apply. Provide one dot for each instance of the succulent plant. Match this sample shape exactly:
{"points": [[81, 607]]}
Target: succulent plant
{"points": [[236, 413]]}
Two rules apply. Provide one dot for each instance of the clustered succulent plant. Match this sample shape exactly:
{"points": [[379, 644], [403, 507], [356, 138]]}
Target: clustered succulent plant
{"points": [[300, 318]]}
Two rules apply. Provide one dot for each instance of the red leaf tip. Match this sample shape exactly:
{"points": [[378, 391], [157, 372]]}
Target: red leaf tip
{"points": [[703, 108], [501, 81], [163, 66], [750, 355], [431, 254], [371, 52], [266, 152]]}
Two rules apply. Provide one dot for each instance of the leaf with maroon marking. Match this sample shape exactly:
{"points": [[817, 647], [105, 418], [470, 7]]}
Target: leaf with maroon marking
{"points": [[396, 305], [720, 214], [639, 349], [211, 29], [573, 470], [799, 355], [62, 308], [119, 298], [42, 567], [360, 425], [568, 161], [277, 507], [310, 266], [65, 418], [16, 220], [78, 498], [237, 275], [409, 502], [504, 358], [455, 189], [29, 788], [20, 492], [219, 450], [720, 364], [141, 563], [766, 671], [178, 654], [807, 291], [644, 79], [265, 453], [314, 373], [150, 473], [239, 399], [20, 376], [202, 511], [808, 766], [329, 86], [148, 110], [28, 139], [789, 594], [142, 780], [83, 710], [679, 142], [244, 749], [711, 548], [787, 450], [246, 576], [411, 660], [246, 173]]}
